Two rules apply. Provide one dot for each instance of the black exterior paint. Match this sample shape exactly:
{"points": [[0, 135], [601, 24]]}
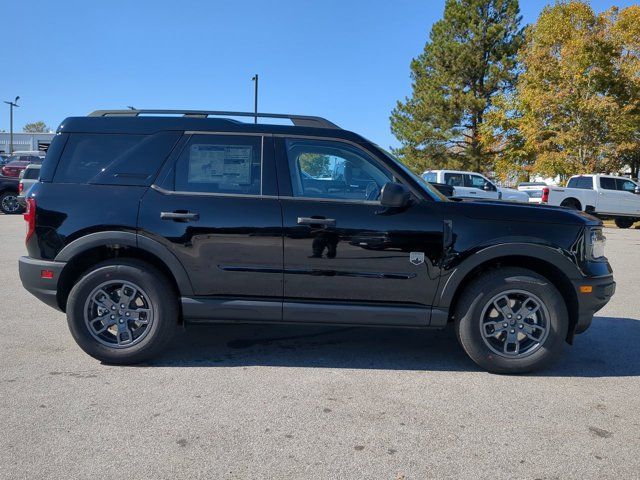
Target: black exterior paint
{"points": [[248, 258]]}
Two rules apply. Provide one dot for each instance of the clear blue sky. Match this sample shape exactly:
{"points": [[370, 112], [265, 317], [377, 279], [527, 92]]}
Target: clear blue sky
{"points": [[347, 60]]}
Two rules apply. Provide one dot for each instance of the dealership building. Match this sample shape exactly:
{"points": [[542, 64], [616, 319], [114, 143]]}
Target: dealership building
{"points": [[25, 141]]}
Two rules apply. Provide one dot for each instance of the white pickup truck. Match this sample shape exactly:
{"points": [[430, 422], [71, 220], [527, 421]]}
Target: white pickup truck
{"points": [[473, 185], [605, 196]]}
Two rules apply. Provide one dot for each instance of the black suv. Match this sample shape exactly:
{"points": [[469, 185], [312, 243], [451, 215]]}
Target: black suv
{"points": [[143, 221]]}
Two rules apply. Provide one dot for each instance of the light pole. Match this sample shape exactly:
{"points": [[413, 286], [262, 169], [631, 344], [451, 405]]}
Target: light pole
{"points": [[255, 99], [11, 105]]}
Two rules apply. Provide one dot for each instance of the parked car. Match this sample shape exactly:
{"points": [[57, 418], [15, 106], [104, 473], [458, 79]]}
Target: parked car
{"points": [[142, 222], [533, 189], [606, 196], [4, 158], [9, 196], [28, 177], [472, 184], [19, 161]]}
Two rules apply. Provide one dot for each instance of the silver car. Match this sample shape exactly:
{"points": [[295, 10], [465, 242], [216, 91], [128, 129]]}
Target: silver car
{"points": [[28, 177]]}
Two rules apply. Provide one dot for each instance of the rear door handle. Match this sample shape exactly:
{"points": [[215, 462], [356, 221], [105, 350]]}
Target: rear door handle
{"points": [[179, 216], [325, 222]]}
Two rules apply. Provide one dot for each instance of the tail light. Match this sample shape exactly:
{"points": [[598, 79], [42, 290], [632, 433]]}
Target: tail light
{"points": [[30, 217], [20, 187], [545, 195], [6, 171]]}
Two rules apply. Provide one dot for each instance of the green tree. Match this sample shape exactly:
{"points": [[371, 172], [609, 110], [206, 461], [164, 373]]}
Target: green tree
{"points": [[36, 127], [570, 99], [470, 57]]}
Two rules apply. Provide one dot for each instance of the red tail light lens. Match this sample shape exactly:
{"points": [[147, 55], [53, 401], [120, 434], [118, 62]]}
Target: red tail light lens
{"points": [[30, 217], [545, 195], [20, 187]]}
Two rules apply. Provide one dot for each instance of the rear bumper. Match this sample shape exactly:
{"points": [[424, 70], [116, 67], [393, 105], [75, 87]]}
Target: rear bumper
{"points": [[31, 275], [589, 303]]}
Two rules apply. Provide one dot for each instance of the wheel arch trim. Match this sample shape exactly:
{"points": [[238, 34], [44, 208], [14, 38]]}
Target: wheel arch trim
{"points": [[542, 253], [129, 239]]}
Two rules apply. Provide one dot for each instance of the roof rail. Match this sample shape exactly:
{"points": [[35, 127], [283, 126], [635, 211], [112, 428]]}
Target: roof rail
{"points": [[297, 120]]}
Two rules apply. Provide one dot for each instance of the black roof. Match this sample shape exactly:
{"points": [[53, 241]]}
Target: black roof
{"points": [[132, 122]]}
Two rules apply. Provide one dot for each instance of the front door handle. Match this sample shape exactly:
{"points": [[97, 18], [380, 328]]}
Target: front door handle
{"points": [[322, 221], [179, 216]]}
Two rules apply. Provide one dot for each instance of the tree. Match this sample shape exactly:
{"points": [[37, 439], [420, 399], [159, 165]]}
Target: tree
{"points": [[470, 57], [625, 35], [569, 97], [36, 127]]}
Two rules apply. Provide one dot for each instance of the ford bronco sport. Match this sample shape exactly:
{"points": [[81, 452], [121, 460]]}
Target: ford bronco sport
{"points": [[146, 219]]}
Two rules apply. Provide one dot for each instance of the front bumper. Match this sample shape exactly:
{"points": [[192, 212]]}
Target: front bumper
{"points": [[603, 289], [31, 274]]}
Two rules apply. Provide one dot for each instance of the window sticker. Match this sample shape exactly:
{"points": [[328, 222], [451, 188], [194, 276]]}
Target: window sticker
{"points": [[230, 164]]}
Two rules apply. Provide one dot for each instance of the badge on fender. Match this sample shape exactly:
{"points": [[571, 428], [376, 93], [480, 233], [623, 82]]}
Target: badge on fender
{"points": [[416, 258]]}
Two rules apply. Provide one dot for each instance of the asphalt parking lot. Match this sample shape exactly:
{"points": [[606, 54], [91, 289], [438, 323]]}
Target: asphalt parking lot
{"points": [[301, 402]]}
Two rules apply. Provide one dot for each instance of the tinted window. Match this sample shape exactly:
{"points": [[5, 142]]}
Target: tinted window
{"points": [[86, 155], [625, 185], [31, 173], [454, 179], [585, 183], [608, 183], [220, 164], [326, 169]]}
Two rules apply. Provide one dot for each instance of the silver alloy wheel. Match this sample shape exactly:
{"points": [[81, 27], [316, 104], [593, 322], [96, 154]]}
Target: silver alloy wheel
{"points": [[10, 203], [118, 314], [514, 324]]}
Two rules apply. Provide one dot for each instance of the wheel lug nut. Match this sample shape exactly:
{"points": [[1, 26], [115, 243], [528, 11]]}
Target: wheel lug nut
{"points": [[112, 317], [513, 331], [127, 314], [121, 320], [521, 326], [505, 325], [122, 305], [519, 317], [113, 307], [509, 316]]}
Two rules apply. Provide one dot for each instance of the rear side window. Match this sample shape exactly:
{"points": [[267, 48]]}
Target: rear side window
{"points": [[31, 174], [585, 183], [87, 155], [220, 164], [430, 177], [454, 179], [608, 183]]}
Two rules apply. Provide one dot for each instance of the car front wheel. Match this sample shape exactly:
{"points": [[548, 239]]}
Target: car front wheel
{"points": [[122, 311], [511, 320]]}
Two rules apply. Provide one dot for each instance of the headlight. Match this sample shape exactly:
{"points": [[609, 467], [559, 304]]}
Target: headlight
{"points": [[596, 243]]}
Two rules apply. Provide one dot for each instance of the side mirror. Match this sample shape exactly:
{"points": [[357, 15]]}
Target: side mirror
{"points": [[637, 190], [487, 187], [394, 195]]}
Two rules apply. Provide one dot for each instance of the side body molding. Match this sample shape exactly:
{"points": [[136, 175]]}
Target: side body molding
{"points": [[129, 239], [553, 256]]}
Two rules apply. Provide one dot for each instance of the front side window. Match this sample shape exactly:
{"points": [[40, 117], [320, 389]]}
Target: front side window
{"points": [[625, 185], [454, 179], [333, 170], [220, 164], [476, 181]]}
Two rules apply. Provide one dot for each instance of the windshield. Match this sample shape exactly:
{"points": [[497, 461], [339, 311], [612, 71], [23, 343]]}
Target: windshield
{"points": [[429, 189]]}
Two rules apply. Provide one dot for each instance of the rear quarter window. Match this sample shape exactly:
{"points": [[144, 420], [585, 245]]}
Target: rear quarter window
{"points": [[31, 174], [585, 183], [113, 158]]}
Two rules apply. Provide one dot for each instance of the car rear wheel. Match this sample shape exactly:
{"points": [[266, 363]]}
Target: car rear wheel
{"points": [[122, 311], [623, 222], [511, 320], [9, 203], [571, 203]]}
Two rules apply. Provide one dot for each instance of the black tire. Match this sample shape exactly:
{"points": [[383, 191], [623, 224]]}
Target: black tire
{"points": [[571, 203], [478, 295], [624, 222], [162, 299], [9, 203]]}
